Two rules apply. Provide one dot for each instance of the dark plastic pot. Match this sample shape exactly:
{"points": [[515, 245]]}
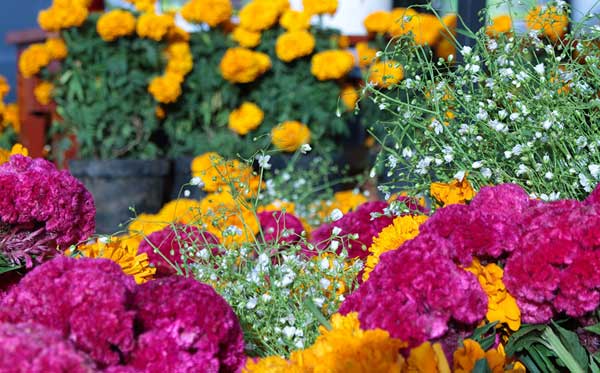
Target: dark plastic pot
{"points": [[120, 184], [181, 175]]}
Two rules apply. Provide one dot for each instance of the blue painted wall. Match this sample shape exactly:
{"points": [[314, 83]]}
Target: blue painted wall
{"points": [[15, 15]]}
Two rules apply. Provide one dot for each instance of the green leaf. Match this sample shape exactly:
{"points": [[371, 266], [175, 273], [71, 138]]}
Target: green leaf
{"points": [[481, 366], [553, 342], [593, 328], [573, 345]]}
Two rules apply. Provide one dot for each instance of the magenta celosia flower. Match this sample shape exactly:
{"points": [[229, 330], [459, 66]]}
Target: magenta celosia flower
{"points": [[30, 347], [86, 300], [185, 324], [41, 208], [415, 293], [280, 227], [166, 247], [361, 222]]}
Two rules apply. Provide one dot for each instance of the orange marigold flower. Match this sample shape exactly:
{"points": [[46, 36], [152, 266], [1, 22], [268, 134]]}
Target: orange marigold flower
{"points": [[4, 87], [400, 20], [57, 49], [246, 118], [331, 64], [314, 7], [349, 96], [179, 58], [293, 20], [259, 15], [63, 14], [166, 89], [501, 24], [11, 117], [453, 192], [378, 22], [549, 20], [154, 26], [211, 12], [294, 44], [428, 358], [246, 38], [290, 136], [386, 73], [241, 65], [33, 59], [115, 24], [366, 55], [43, 92]]}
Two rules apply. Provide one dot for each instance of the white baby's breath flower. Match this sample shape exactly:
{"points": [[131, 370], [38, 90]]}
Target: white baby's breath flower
{"points": [[336, 231], [263, 161], [540, 68], [336, 215], [251, 304], [594, 170], [486, 172], [305, 148], [477, 164], [460, 175], [197, 182]]}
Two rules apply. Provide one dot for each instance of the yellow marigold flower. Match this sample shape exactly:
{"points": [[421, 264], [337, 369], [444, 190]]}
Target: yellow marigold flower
{"points": [[386, 73], [290, 136], [552, 22], [280, 5], [115, 24], [314, 7], [271, 364], [279, 205], [402, 229], [4, 87], [241, 65], [331, 64], [259, 15], [154, 26], [246, 38], [43, 92], [450, 20], [166, 89], [466, 356], [426, 29], [11, 117], [378, 22], [294, 44], [294, 20], [348, 200], [502, 306], [182, 210], [211, 12], [16, 149], [126, 256], [343, 41], [246, 118], [400, 20], [179, 58], [145, 224], [349, 96], [445, 48], [501, 24], [348, 348], [366, 54], [207, 168], [57, 48], [63, 14], [33, 59], [453, 192], [427, 358], [228, 218]]}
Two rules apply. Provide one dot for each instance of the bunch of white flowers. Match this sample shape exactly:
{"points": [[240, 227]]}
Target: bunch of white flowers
{"points": [[520, 108]]}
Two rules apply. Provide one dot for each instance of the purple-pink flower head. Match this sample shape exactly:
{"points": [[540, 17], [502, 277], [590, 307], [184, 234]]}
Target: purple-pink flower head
{"points": [[414, 293], [30, 347], [280, 227], [186, 324], [365, 222], [41, 208], [165, 248], [86, 300]]}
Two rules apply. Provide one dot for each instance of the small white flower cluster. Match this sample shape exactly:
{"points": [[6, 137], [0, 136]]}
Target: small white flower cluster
{"points": [[276, 290], [518, 109]]}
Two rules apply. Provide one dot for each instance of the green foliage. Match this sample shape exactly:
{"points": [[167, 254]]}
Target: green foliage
{"points": [[8, 137], [102, 96]]}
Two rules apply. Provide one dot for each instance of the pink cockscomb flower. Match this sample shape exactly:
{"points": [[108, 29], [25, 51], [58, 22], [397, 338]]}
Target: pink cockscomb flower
{"points": [[30, 347], [41, 209], [365, 223], [185, 324], [280, 227], [415, 293], [166, 247], [86, 300]]}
